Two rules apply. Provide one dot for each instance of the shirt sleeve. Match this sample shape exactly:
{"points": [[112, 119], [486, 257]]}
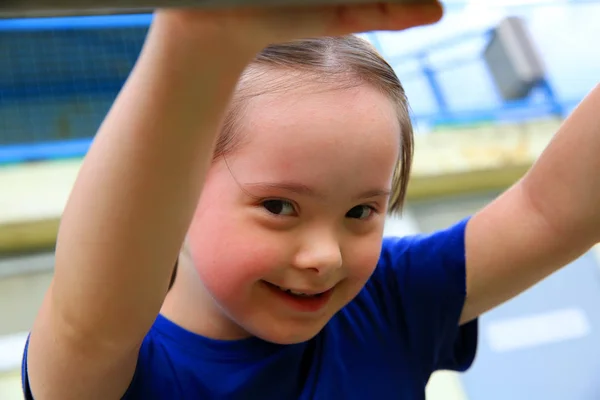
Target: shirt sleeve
{"points": [[427, 278], [24, 375]]}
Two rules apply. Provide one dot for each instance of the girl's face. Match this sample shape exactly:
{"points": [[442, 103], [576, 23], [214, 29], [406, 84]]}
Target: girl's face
{"points": [[289, 228]]}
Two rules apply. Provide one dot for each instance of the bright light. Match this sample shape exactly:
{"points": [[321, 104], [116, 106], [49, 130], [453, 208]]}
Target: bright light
{"points": [[11, 351], [502, 3]]}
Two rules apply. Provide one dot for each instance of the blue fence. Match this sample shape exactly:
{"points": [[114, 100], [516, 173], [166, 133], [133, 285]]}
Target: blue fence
{"points": [[60, 75]]}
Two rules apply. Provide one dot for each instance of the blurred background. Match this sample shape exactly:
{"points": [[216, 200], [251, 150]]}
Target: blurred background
{"points": [[489, 85]]}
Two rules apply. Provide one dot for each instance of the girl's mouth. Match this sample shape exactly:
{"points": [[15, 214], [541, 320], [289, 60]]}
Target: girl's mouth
{"points": [[301, 300]]}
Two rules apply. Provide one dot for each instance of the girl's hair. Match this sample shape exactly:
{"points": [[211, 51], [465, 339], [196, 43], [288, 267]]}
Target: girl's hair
{"points": [[332, 63]]}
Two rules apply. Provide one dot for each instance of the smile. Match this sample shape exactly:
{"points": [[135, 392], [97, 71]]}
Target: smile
{"points": [[299, 293], [301, 300]]}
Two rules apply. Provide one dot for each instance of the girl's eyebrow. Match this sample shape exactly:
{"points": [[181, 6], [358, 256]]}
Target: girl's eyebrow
{"points": [[302, 189], [374, 193], [292, 187]]}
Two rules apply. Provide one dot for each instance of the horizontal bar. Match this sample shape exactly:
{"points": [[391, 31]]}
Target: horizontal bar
{"points": [[47, 8], [40, 8], [515, 112], [63, 149], [73, 22]]}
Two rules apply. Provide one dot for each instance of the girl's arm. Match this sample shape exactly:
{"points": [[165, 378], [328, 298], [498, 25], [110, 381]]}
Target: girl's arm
{"points": [[128, 213], [548, 219]]}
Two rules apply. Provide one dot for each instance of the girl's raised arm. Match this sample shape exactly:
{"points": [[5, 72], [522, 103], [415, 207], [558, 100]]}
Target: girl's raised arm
{"points": [[128, 213]]}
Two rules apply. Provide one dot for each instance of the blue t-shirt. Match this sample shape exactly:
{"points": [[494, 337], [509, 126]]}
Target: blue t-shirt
{"points": [[386, 343]]}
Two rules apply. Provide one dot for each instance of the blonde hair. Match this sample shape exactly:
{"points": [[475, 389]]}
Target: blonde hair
{"points": [[338, 62]]}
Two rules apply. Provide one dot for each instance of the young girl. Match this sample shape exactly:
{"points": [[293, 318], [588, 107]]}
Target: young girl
{"points": [[268, 179]]}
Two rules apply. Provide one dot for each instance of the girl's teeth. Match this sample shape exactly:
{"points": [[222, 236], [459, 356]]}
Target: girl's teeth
{"points": [[300, 294], [296, 293]]}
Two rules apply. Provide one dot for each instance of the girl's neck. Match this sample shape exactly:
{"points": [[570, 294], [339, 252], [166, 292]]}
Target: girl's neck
{"points": [[189, 305]]}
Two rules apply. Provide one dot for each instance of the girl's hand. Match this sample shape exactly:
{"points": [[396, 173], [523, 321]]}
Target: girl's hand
{"points": [[257, 28]]}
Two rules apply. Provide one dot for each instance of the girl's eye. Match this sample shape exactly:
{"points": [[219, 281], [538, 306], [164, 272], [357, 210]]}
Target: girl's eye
{"points": [[360, 212], [279, 207]]}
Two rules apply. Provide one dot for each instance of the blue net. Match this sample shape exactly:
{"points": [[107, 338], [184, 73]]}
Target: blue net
{"points": [[58, 77]]}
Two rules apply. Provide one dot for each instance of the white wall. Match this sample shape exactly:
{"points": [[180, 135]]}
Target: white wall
{"points": [[10, 386], [20, 298]]}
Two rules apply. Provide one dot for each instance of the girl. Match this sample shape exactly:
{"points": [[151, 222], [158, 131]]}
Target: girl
{"points": [[270, 176]]}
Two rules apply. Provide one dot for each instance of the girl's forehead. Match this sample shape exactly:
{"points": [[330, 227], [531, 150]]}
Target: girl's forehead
{"points": [[357, 116], [331, 134]]}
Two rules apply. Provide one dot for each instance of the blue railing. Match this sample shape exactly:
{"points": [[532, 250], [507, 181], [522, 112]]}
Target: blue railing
{"points": [[59, 76], [75, 23], [44, 151]]}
